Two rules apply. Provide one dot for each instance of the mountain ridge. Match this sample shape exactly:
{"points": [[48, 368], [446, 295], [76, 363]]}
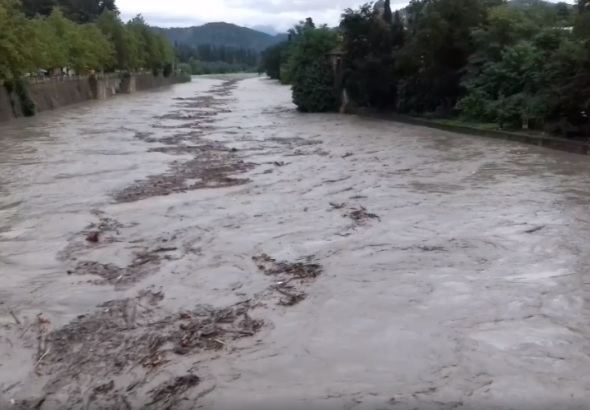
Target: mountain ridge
{"points": [[256, 38], [221, 33]]}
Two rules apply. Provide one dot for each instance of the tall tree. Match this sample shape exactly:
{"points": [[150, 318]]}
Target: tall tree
{"points": [[398, 32], [38, 7], [112, 27], [387, 16], [107, 5], [18, 54]]}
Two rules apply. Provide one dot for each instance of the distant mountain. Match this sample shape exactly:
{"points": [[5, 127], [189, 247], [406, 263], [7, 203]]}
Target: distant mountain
{"points": [[225, 34], [270, 30]]}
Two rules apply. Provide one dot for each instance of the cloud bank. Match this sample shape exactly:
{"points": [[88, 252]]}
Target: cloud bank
{"points": [[279, 14]]}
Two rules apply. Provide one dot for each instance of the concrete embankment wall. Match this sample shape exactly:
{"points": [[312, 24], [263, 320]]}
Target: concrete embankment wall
{"points": [[52, 94], [560, 144]]}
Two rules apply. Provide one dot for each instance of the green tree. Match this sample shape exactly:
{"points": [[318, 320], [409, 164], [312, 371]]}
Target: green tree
{"points": [[398, 32], [369, 59], [18, 54], [387, 15], [99, 52], [107, 5], [51, 51], [313, 81], [33, 8], [154, 50], [112, 27], [563, 11]]}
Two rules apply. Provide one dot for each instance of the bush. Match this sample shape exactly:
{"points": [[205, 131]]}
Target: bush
{"points": [[311, 75], [184, 77], [314, 90], [185, 68], [474, 106]]}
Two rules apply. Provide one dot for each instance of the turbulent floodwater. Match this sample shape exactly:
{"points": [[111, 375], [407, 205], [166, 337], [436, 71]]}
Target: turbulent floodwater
{"points": [[451, 270]]}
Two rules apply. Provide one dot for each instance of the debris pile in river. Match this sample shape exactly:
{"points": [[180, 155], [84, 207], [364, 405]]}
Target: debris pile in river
{"points": [[95, 231], [360, 215], [210, 168], [300, 146], [108, 340], [195, 125], [224, 89], [185, 116], [105, 230], [212, 162], [126, 337], [300, 270], [209, 328], [169, 393], [145, 262], [175, 139], [202, 101], [287, 273], [123, 334]]}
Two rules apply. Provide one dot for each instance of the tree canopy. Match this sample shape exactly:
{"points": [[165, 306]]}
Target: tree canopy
{"points": [[516, 64], [82, 35]]}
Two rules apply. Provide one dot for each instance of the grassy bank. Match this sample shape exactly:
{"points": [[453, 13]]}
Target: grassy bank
{"points": [[487, 130]]}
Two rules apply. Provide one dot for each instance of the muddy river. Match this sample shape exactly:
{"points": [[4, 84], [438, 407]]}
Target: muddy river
{"points": [[205, 246]]}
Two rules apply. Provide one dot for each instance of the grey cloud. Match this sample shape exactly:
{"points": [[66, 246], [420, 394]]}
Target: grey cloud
{"points": [[291, 6], [278, 14]]}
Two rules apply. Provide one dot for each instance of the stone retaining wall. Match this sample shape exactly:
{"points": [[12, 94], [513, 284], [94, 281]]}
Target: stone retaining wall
{"points": [[50, 95]]}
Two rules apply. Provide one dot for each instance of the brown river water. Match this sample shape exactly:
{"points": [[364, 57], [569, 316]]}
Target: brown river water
{"points": [[256, 255]]}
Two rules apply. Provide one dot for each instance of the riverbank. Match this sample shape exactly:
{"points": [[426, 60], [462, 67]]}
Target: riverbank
{"points": [[55, 93], [546, 141]]}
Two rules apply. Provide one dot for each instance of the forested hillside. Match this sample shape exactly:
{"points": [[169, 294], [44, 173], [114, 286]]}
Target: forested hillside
{"points": [[221, 34], [210, 59]]}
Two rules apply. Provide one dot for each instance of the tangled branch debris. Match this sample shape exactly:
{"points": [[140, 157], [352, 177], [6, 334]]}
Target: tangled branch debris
{"points": [[170, 391], [212, 165], [144, 263], [209, 328], [300, 270], [288, 272], [359, 215]]}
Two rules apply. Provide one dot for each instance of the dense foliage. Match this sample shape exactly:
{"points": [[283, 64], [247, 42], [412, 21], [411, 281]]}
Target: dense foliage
{"points": [[310, 72], [82, 35], [209, 59], [275, 59], [302, 61], [518, 64]]}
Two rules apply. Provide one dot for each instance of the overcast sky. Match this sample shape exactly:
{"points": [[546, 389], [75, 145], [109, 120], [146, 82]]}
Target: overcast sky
{"points": [[279, 14]]}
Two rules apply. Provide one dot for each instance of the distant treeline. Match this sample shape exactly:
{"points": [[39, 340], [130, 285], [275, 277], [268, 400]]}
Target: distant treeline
{"points": [[210, 59]]}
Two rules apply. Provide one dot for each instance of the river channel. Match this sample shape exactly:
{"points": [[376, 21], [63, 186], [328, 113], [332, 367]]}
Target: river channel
{"points": [[205, 245]]}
